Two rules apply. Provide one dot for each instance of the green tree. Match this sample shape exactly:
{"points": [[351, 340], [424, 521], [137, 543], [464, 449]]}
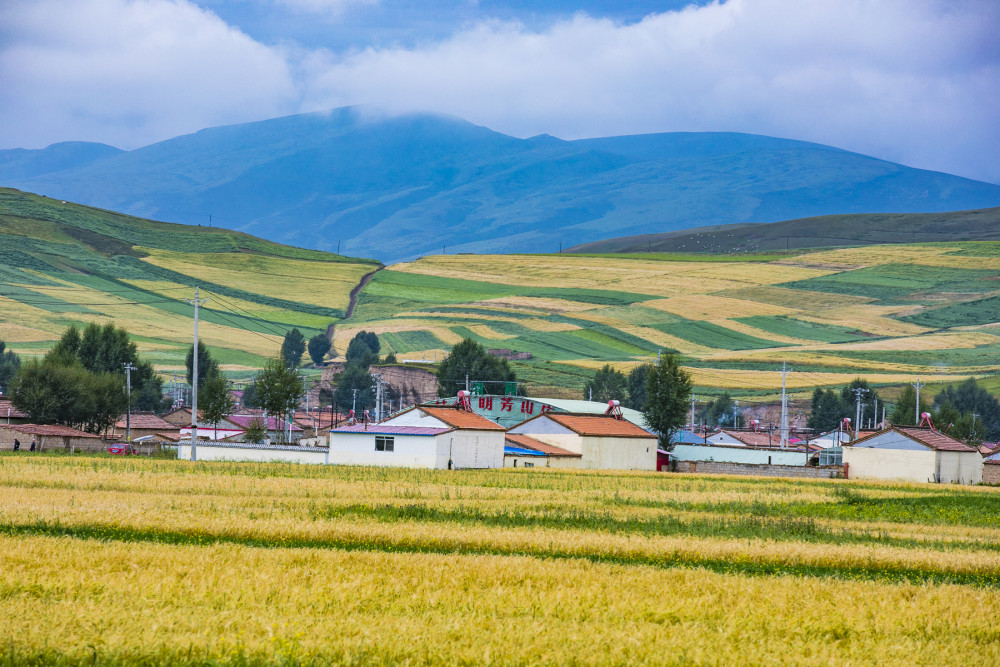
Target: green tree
{"points": [[278, 389], [207, 366], [469, 358], [971, 399], [720, 411], [215, 401], [359, 352], [827, 411], [668, 390], [636, 386], [354, 377], [256, 431], [390, 358], [292, 348], [9, 365], [54, 393], [904, 412], [318, 347], [606, 385], [848, 402]]}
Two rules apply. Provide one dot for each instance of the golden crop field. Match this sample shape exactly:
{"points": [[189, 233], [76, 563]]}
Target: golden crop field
{"points": [[125, 561]]}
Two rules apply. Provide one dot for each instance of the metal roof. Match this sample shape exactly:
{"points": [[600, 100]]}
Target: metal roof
{"points": [[527, 442], [925, 436]]}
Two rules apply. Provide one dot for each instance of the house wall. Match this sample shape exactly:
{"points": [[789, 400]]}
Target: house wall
{"points": [[604, 453], [475, 449], [415, 418], [749, 455], [409, 451], [7, 436], [217, 451], [960, 467], [897, 464]]}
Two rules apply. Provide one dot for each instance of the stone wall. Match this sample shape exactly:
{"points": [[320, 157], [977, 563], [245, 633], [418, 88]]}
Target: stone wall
{"points": [[991, 473], [763, 470], [414, 385]]}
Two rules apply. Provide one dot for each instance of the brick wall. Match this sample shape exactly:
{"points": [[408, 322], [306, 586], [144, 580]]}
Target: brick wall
{"points": [[991, 473], [720, 468]]}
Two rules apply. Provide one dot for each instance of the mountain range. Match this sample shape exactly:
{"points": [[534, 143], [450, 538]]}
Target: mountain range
{"points": [[394, 187]]}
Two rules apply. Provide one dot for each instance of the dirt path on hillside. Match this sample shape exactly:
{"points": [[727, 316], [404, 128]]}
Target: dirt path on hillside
{"points": [[357, 290]]}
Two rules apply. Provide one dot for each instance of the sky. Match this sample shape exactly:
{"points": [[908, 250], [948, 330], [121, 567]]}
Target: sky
{"points": [[911, 81]]}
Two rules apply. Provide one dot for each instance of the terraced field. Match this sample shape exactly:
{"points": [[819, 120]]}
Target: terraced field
{"points": [[111, 561], [61, 263], [889, 313]]}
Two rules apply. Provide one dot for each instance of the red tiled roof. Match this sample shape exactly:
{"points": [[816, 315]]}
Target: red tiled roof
{"points": [[146, 421], [527, 442], [597, 425], [461, 419], [7, 409], [49, 429], [925, 436], [391, 429]]}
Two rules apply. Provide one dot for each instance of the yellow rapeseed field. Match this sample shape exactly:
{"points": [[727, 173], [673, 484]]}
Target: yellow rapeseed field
{"points": [[122, 561]]}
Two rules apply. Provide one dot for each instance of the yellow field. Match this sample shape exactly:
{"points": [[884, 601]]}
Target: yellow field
{"points": [[320, 283], [241, 563]]}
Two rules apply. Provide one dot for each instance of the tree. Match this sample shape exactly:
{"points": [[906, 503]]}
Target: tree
{"points": [[216, 401], [827, 411], [469, 359], [278, 388], [9, 365], [256, 431], [848, 401], [53, 393], [390, 358], [318, 347], [904, 412], [668, 390], [207, 366], [359, 353], [636, 386], [354, 377], [971, 399], [606, 385], [720, 411], [292, 348]]}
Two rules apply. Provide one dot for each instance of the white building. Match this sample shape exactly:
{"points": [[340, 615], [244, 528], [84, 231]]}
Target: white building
{"points": [[440, 437], [912, 454], [602, 441]]}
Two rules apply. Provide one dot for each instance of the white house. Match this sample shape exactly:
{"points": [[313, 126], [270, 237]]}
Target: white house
{"points": [[912, 454], [440, 437], [603, 441], [527, 452]]}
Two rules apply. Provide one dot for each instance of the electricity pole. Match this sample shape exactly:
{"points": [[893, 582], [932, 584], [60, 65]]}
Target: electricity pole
{"points": [[128, 406], [858, 393], [784, 408], [916, 413], [692, 411], [194, 377]]}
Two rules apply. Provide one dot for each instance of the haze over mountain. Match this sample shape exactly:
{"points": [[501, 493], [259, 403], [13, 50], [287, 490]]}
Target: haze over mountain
{"points": [[395, 187]]}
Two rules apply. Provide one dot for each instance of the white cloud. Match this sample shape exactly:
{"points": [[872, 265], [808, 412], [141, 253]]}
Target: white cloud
{"points": [[917, 82], [914, 81], [333, 7], [130, 72]]}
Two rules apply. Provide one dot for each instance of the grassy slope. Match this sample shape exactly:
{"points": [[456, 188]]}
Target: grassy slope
{"points": [[63, 263], [885, 312], [816, 232]]}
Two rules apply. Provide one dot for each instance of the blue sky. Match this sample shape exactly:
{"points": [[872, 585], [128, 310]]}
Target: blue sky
{"points": [[912, 81]]}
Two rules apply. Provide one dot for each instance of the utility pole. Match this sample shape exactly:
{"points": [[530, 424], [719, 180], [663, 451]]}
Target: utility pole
{"points": [[692, 411], [354, 402], [784, 407], [128, 405], [916, 413], [466, 382], [194, 377], [875, 413], [858, 393]]}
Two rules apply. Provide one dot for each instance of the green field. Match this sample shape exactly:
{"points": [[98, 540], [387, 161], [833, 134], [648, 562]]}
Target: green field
{"points": [[299, 565], [66, 264]]}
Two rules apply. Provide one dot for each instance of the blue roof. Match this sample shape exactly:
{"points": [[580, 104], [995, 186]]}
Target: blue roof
{"points": [[517, 451]]}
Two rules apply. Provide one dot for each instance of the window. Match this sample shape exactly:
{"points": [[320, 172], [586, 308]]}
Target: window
{"points": [[529, 464], [384, 443]]}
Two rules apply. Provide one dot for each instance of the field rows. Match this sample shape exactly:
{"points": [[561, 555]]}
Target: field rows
{"points": [[236, 563]]}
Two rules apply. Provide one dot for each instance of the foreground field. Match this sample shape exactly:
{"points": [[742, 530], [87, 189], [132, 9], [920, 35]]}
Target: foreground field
{"points": [[110, 561], [889, 313]]}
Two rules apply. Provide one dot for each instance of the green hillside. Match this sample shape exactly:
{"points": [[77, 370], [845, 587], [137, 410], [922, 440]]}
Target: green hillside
{"points": [[63, 263], [816, 232], [889, 313]]}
